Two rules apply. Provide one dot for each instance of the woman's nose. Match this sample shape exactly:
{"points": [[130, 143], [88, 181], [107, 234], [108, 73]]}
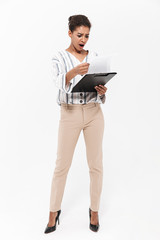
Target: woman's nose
{"points": [[83, 39]]}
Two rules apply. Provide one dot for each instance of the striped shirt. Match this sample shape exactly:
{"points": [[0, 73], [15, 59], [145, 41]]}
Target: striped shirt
{"points": [[62, 62]]}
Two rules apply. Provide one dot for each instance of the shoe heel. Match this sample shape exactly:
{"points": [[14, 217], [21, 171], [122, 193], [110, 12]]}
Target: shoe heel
{"points": [[58, 216], [94, 228], [53, 228]]}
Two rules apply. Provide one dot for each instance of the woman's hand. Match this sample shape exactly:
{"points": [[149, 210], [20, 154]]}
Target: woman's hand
{"points": [[101, 89], [82, 68]]}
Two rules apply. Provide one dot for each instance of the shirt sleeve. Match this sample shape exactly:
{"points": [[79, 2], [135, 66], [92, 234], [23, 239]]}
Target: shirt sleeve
{"points": [[100, 97], [59, 75]]}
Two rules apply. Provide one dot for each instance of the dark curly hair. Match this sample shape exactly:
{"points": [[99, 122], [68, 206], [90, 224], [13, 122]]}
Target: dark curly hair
{"points": [[77, 21]]}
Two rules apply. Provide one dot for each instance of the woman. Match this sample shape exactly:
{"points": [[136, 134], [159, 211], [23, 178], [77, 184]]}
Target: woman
{"points": [[79, 111]]}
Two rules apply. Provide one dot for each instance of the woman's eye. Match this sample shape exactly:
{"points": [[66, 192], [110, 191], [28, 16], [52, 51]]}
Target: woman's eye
{"points": [[81, 36]]}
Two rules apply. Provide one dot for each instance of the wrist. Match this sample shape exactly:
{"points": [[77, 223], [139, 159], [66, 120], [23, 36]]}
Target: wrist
{"points": [[101, 95], [74, 71]]}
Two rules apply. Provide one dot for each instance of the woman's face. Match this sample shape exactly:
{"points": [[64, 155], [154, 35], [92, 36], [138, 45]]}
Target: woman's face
{"points": [[79, 37]]}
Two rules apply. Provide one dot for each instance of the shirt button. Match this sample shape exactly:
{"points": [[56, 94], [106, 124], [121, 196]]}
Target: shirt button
{"points": [[81, 94], [81, 101]]}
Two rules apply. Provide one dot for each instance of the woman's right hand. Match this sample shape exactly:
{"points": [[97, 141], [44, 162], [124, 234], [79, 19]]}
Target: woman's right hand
{"points": [[82, 68]]}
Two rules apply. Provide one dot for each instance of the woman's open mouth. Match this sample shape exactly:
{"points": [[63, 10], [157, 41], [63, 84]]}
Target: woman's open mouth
{"points": [[81, 45]]}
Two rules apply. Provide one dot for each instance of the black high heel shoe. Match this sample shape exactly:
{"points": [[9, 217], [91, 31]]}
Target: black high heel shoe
{"points": [[94, 228], [53, 228]]}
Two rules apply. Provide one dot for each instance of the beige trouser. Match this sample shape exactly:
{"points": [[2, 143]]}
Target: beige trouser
{"points": [[74, 118]]}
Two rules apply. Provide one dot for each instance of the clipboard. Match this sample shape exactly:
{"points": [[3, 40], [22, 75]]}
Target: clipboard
{"points": [[89, 81]]}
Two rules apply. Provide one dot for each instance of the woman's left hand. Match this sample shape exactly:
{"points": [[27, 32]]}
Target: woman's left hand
{"points": [[101, 89]]}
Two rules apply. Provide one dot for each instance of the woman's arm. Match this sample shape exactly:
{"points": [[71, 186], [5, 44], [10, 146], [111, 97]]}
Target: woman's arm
{"points": [[70, 74], [79, 69], [59, 75]]}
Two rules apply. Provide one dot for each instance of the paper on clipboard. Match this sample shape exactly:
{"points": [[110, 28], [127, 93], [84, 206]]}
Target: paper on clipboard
{"points": [[99, 64]]}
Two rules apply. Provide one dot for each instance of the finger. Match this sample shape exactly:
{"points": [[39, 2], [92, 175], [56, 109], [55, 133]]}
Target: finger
{"points": [[99, 91], [100, 88], [103, 91], [84, 69], [103, 87], [85, 64]]}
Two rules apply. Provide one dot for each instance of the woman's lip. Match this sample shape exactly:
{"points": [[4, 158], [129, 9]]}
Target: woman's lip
{"points": [[81, 46]]}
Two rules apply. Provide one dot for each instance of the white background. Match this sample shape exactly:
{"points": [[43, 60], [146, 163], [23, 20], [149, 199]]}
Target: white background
{"points": [[30, 31]]}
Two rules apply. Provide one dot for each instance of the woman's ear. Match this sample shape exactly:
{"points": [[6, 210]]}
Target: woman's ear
{"points": [[69, 33]]}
